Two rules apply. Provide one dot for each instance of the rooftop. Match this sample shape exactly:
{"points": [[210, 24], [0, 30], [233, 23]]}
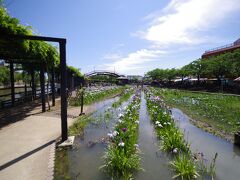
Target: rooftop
{"points": [[222, 49]]}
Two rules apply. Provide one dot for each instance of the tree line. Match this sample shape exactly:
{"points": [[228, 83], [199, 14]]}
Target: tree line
{"points": [[225, 65]]}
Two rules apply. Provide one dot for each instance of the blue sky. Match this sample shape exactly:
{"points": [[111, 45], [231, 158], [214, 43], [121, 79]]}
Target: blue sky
{"points": [[132, 36]]}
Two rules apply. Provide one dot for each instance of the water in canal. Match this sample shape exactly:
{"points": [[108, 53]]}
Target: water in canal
{"points": [[228, 160], [86, 156], [154, 162]]}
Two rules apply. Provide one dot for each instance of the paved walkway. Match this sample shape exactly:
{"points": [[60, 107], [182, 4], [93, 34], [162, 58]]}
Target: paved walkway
{"points": [[27, 146]]}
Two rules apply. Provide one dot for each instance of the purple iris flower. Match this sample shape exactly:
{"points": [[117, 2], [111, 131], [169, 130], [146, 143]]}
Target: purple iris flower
{"points": [[124, 129]]}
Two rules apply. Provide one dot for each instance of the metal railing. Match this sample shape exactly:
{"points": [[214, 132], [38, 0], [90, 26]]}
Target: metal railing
{"points": [[236, 43], [25, 95], [220, 47]]}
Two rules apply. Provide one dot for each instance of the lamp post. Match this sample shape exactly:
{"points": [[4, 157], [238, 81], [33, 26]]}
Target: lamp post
{"points": [[222, 78]]}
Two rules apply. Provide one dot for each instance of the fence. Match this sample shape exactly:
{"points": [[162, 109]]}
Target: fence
{"points": [[23, 94]]}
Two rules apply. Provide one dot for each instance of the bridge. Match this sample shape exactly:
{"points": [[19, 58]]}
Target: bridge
{"points": [[103, 72]]}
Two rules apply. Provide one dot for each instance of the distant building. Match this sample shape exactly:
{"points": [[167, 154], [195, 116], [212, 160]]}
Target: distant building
{"points": [[134, 78], [223, 49], [122, 80]]}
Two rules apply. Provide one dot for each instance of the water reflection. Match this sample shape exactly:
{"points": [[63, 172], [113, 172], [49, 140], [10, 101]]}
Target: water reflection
{"points": [[228, 161], [154, 162], [85, 157]]}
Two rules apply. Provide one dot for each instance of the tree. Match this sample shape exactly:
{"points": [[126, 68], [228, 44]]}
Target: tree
{"points": [[218, 66], [170, 74], [4, 75], [196, 68], [235, 60], [183, 72], [156, 74]]}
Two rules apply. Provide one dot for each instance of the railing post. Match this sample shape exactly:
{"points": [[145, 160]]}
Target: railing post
{"points": [[63, 91]]}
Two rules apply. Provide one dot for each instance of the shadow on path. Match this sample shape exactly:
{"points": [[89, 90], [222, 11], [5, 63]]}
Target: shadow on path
{"points": [[10, 163], [19, 112]]}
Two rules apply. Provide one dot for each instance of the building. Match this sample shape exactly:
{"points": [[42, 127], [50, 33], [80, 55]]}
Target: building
{"points": [[223, 49], [134, 78]]}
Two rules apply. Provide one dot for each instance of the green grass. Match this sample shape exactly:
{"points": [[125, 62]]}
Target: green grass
{"points": [[92, 97], [78, 126], [184, 167], [217, 113], [124, 97], [61, 167], [184, 163], [171, 137], [120, 161]]}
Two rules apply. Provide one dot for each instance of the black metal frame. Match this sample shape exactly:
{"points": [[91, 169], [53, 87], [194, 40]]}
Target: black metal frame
{"points": [[62, 50]]}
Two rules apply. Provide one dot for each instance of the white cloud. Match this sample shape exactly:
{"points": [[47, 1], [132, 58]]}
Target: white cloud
{"points": [[182, 20], [134, 61]]}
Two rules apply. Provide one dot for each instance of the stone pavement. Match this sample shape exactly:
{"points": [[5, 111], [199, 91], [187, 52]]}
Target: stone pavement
{"points": [[28, 146]]}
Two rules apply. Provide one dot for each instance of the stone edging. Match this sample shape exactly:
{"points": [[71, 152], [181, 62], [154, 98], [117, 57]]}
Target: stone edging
{"points": [[50, 171]]}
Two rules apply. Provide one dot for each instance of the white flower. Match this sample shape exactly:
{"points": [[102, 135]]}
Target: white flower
{"points": [[175, 150], [195, 176], [120, 121], [136, 145], [137, 122], [125, 107], [165, 123], [120, 115], [115, 133], [110, 135], [121, 144], [168, 123], [157, 122], [159, 125]]}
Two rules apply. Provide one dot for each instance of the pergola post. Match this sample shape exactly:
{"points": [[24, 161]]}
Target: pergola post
{"points": [[12, 83], [25, 91], [63, 90], [42, 84], [53, 86], [72, 83], [33, 84]]}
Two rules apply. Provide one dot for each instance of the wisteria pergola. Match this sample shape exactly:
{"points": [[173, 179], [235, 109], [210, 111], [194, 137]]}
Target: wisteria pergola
{"points": [[13, 57]]}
